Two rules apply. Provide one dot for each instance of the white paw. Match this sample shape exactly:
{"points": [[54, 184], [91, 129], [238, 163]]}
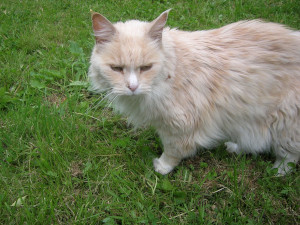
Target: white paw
{"points": [[162, 167], [283, 168], [232, 147]]}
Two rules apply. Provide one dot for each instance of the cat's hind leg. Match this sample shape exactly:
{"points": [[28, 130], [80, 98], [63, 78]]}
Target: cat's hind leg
{"points": [[232, 147], [283, 158]]}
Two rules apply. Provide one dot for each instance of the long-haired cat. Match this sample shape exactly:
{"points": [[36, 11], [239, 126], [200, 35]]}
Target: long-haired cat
{"points": [[239, 83]]}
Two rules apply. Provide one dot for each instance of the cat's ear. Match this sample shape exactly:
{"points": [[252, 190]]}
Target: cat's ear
{"points": [[103, 28], [157, 25]]}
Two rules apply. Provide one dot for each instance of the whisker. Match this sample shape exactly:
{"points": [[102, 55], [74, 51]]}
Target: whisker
{"points": [[108, 105], [106, 97], [97, 104], [113, 100]]}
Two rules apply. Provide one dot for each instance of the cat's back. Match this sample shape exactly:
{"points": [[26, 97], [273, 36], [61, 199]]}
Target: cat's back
{"points": [[249, 45], [243, 36], [249, 29], [267, 36], [228, 63]]}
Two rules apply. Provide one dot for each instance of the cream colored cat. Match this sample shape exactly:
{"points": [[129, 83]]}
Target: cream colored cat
{"points": [[239, 83]]}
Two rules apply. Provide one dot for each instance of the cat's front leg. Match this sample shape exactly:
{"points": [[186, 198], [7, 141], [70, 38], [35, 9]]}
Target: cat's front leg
{"points": [[165, 163], [176, 148]]}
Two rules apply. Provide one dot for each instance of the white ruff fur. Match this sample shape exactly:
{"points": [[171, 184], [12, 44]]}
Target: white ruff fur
{"points": [[239, 83]]}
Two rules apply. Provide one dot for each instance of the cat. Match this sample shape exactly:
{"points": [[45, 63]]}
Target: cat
{"points": [[239, 83]]}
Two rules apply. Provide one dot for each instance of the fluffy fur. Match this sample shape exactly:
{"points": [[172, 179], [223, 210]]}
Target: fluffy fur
{"points": [[239, 83]]}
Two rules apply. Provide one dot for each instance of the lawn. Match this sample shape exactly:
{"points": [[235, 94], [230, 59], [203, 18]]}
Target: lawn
{"points": [[67, 158]]}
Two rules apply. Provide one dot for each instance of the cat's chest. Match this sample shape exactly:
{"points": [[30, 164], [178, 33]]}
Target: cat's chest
{"points": [[160, 112], [166, 112]]}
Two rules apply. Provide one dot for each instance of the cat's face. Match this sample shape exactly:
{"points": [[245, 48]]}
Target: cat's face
{"points": [[127, 58]]}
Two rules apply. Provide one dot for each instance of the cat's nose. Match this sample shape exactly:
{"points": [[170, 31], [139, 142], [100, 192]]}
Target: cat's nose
{"points": [[132, 87]]}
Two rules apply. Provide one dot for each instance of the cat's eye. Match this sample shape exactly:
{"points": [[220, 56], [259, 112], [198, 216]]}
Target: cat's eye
{"points": [[117, 68], [145, 68]]}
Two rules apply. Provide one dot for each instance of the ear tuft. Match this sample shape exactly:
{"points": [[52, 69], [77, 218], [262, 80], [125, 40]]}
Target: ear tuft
{"points": [[157, 25], [103, 28]]}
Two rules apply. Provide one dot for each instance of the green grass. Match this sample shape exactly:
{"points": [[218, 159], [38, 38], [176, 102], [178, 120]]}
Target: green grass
{"points": [[65, 158]]}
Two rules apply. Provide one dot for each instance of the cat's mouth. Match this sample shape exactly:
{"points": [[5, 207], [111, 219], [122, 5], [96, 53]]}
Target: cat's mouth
{"points": [[134, 93], [127, 92], [130, 91], [134, 90]]}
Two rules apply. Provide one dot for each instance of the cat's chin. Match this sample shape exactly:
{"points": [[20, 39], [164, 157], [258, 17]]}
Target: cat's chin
{"points": [[133, 94]]}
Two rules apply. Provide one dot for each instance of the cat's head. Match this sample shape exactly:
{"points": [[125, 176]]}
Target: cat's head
{"points": [[127, 58]]}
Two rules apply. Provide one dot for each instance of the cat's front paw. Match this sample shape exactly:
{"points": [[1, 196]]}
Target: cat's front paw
{"points": [[232, 147], [161, 166]]}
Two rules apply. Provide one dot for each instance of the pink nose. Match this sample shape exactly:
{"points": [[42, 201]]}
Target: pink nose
{"points": [[132, 87]]}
